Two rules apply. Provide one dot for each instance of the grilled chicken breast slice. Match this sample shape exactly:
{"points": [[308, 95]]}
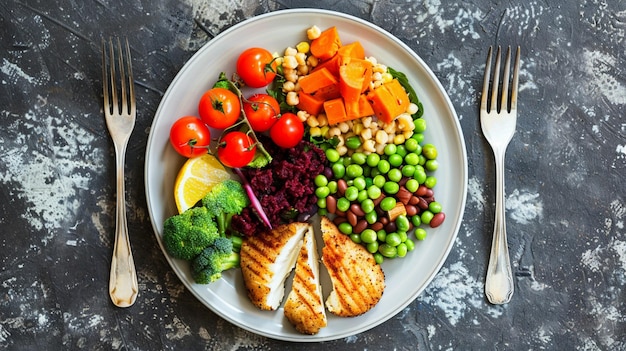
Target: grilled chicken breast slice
{"points": [[358, 281], [267, 259], [304, 306]]}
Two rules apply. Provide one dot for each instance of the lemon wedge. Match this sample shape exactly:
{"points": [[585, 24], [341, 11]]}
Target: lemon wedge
{"points": [[196, 178]]}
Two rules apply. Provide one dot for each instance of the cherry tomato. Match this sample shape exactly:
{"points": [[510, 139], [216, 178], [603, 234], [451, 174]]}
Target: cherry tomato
{"points": [[262, 111], [257, 67], [236, 149], [287, 131], [219, 108], [190, 137]]}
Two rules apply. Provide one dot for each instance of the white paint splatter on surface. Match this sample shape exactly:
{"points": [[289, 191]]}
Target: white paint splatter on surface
{"points": [[602, 68]]}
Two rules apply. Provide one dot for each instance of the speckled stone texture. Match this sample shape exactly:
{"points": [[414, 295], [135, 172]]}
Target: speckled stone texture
{"points": [[565, 170]]}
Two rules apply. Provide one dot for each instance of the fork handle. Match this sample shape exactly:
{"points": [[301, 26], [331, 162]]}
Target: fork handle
{"points": [[499, 281], [123, 287]]}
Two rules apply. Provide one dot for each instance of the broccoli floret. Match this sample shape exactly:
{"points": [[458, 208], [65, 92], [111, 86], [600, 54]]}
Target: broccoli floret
{"points": [[224, 200], [185, 235], [208, 266]]}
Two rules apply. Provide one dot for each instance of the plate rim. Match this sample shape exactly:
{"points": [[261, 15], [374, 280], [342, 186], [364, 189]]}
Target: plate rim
{"points": [[454, 119]]}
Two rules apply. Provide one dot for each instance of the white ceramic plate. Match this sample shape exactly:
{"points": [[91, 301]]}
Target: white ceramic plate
{"points": [[406, 278]]}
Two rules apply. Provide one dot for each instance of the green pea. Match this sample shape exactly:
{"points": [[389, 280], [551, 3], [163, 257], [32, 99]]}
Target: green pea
{"points": [[420, 125], [346, 161], [391, 188], [435, 207], [401, 150], [354, 170], [351, 193], [402, 250], [362, 195], [430, 182], [332, 155], [382, 235], [420, 233], [359, 183], [367, 205], [429, 151], [374, 172], [403, 223], [412, 185], [395, 160], [420, 174], [339, 170], [368, 236], [418, 136], [345, 228], [422, 160], [322, 211], [410, 245], [393, 239], [408, 170], [403, 236], [426, 216], [322, 192], [374, 192], [356, 238], [320, 180], [378, 257], [383, 166], [371, 217], [387, 250], [379, 181], [332, 186], [390, 149], [418, 149], [373, 159], [372, 247], [321, 202], [431, 165], [412, 159], [367, 171], [359, 158], [343, 204], [388, 203], [353, 142], [368, 182], [395, 175], [411, 145], [416, 220]]}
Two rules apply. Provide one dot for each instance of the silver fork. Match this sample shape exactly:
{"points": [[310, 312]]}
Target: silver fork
{"points": [[498, 125], [120, 118]]}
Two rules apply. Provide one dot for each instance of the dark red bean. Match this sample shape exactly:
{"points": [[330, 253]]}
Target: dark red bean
{"points": [[429, 193], [410, 210], [391, 227], [360, 226], [356, 209], [383, 220], [352, 218], [340, 213], [437, 219], [423, 204], [342, 185], [414, 200], [338, 220], [377, 226], [331, 204], [378, 200], [421, 190]]}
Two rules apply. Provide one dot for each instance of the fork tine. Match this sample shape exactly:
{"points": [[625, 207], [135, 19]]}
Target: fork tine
{"points": [[105, 78], [515, 81], [112, 74], [483, 99], [122, 73], [131, 84], [504, 102], [496, 82]]}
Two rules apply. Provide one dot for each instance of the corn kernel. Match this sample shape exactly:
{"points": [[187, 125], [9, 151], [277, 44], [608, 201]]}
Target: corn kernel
{"points": [[315, 131], [387, 77], [303, 47]]}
